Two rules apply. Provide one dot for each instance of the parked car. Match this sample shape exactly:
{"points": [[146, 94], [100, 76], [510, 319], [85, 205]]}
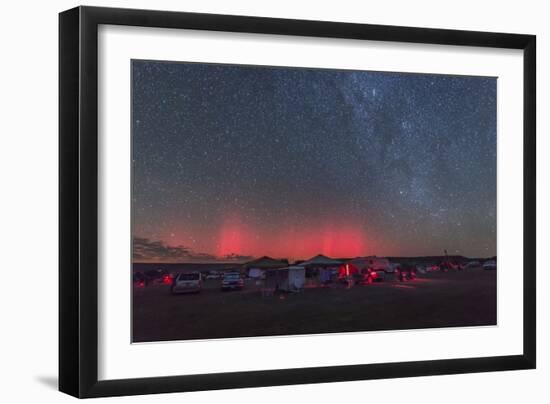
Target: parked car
{"points": [[381, 265], [369, 275], [406, 272], [432, 268], [472, 264], [421, 269], [187, 283], [456, 266], [232, 281], [491, 265], [139, 280], [161, 276], [213, 275], [364, 270], [445, 266]]}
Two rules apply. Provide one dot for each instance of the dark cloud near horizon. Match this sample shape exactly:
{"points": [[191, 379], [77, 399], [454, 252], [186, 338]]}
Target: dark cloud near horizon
{"points": [[157, 251]]}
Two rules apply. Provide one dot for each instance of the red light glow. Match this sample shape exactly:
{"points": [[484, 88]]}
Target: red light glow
{"points": [[333, 240], [167, 280], [234, 237]]}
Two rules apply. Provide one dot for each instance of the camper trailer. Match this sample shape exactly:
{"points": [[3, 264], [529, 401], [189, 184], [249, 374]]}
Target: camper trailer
{"points": [[380, 264]]}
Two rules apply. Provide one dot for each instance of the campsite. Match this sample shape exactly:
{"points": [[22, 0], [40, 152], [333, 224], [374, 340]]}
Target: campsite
{"points": [[310, 200], [433, 299]]}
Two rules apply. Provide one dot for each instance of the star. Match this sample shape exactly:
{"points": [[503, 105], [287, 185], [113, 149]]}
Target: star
{"points": [[292, 162]]}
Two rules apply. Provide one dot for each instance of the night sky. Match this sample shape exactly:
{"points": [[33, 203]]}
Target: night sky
{"points": [[232, 161]]}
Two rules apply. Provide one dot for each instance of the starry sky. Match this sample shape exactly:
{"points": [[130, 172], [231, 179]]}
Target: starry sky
{"points": [[231, 162]]}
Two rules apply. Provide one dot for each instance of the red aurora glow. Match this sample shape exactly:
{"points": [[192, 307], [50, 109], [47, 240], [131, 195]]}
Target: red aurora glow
{"points": [[296, 243], [232, 161]]}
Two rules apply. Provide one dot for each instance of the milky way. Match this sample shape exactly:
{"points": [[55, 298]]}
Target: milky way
{"points": [[233, 160]]}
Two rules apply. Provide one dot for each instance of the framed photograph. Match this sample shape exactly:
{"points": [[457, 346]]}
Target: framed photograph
{"points": [[251, 201]]}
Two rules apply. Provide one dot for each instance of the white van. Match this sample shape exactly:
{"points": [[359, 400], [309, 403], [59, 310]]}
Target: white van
{"points": [[187, 283]]}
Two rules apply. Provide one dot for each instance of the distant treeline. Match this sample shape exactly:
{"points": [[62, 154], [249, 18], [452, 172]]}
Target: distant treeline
{"points": [[173, 268], [435, 259]]}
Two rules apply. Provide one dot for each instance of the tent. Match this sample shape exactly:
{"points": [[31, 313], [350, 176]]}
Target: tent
{"points": [[289, 279], [323, 266], [256, 268], [320, 261]]}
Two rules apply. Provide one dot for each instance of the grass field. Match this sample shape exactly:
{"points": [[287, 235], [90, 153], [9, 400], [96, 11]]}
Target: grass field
{"points": [[451, 299]]}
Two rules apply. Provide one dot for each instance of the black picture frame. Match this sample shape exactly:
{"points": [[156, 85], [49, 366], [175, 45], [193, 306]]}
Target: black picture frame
{"points": [[78, 201]]}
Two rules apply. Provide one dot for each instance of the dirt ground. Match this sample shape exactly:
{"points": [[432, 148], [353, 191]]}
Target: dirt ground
{"points": [[456, 298]]}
